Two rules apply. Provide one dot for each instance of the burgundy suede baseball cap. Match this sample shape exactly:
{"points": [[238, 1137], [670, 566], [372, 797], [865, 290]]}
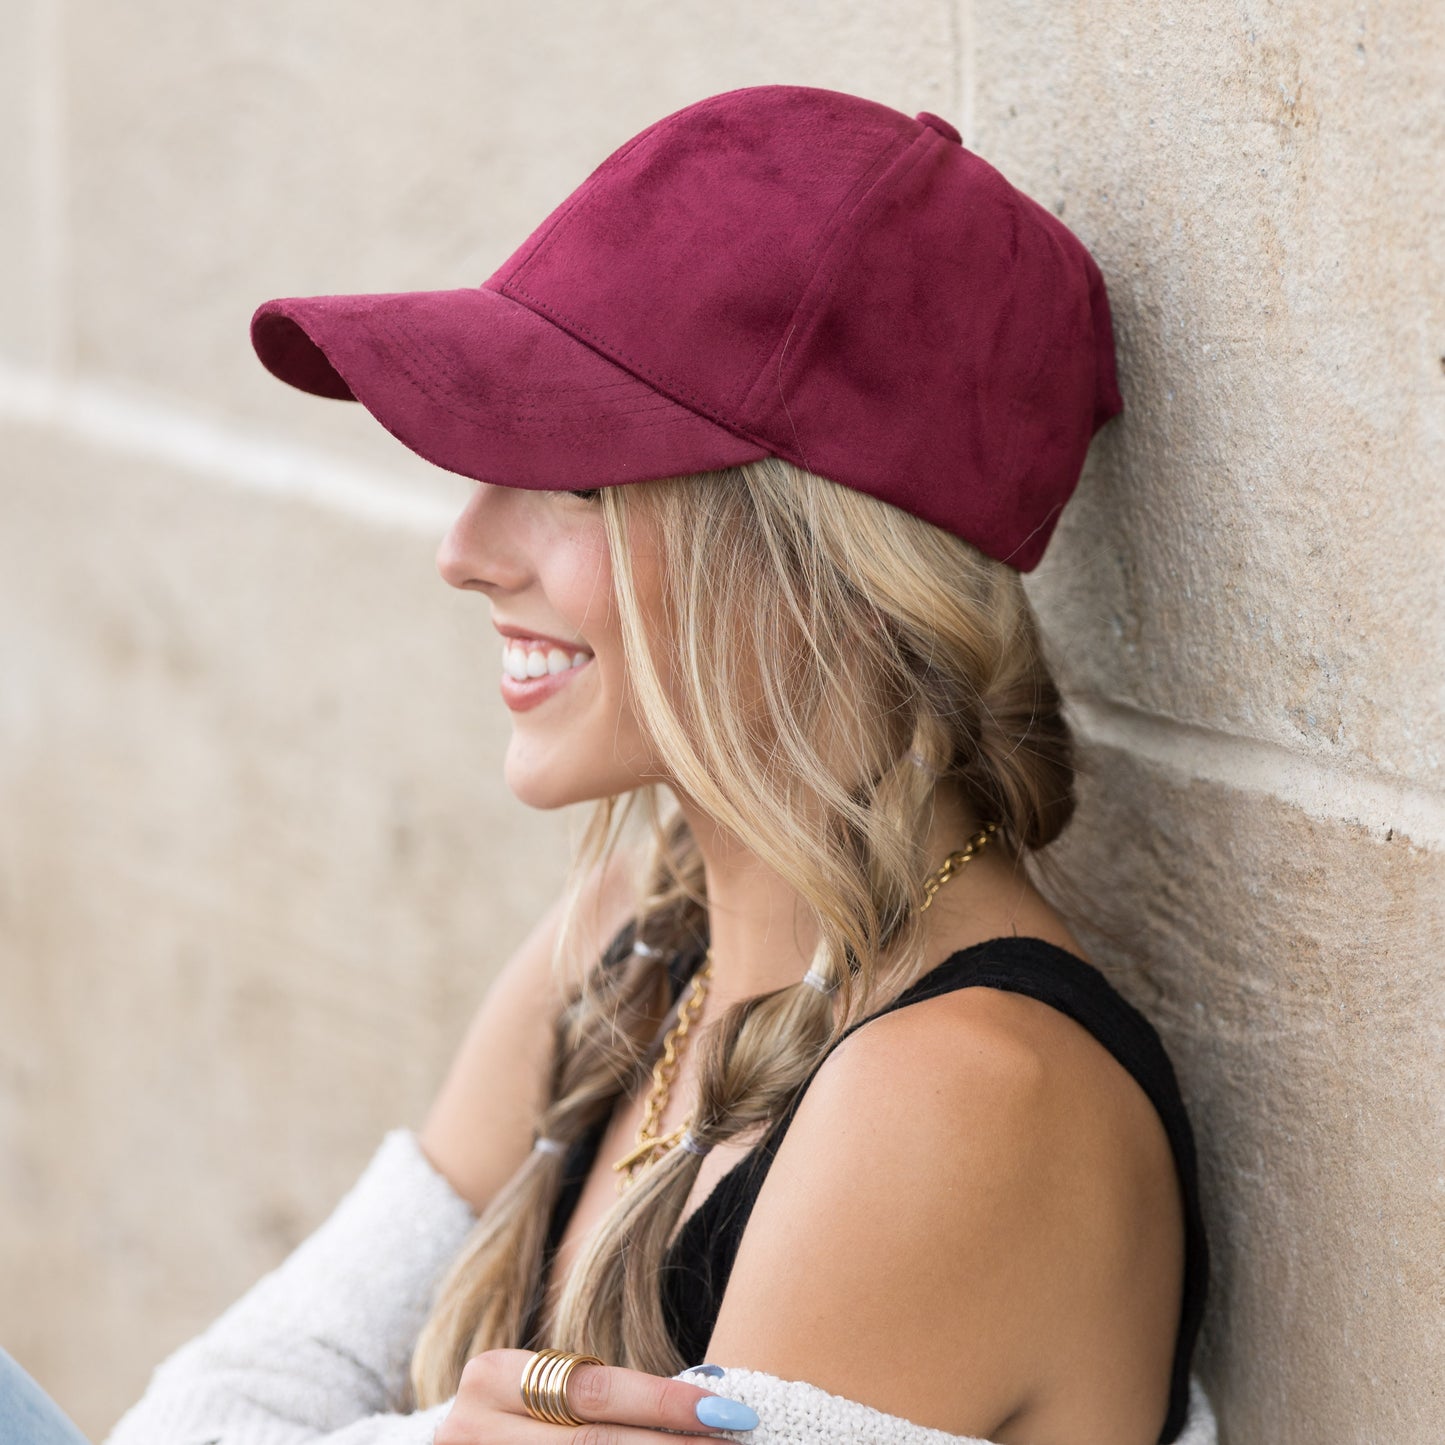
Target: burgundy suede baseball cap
{"points": [[779, 270]]}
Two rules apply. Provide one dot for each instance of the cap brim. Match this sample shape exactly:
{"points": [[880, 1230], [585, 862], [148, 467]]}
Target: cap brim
{"points": [[482, 385]]}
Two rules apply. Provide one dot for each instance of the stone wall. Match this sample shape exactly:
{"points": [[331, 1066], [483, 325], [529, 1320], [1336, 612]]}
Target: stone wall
{"points": [[257, 862]]}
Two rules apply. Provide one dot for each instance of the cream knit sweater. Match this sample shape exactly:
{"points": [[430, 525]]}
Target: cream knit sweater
{"points": [[316, 1353]]}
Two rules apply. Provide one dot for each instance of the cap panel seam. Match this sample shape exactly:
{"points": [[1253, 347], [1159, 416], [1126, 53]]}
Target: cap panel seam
{"points": [[842, 245], [1013, 474], [576, 329], [855, 195], [545, 233], [825, 236]]}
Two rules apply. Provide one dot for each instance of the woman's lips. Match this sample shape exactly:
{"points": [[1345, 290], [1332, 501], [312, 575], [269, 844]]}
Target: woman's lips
{"points": [[521, 694]]}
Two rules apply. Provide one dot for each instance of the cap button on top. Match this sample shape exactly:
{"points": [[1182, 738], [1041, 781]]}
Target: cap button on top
{"points": [[940, 125]]}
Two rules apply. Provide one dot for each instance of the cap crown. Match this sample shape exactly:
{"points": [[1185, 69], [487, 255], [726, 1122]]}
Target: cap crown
{"points": [[851, 289]]}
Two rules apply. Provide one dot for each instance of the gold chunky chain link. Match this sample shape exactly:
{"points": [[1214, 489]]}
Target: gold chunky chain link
{"points": [[955, 861], [651, 1145]]}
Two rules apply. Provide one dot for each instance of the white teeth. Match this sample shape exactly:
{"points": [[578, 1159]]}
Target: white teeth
{"points": [[523, 663]]}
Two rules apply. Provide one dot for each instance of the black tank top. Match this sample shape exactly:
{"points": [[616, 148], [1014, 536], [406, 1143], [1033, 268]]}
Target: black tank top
{"points": [[700, 1258]]}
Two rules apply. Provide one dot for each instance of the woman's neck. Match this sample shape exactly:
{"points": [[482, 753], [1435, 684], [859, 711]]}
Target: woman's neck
{"points": [[762, 935]]}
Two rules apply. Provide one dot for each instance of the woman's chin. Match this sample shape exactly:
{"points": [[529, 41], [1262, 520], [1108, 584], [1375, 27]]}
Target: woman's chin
{"points": [[538, 788], [537, 779], [549, 767]]}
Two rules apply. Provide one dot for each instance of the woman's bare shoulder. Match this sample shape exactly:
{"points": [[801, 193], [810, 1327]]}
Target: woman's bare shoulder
{"points": [[965, 1194], [480, 1124]]}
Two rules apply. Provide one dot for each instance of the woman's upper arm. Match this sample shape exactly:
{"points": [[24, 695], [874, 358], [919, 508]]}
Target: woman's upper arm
{"points": [[907, 1244], [479, 1127]]}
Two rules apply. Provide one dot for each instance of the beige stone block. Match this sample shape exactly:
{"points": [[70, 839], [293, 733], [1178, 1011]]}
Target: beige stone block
{"points": [[1293, 967], [257, 865], [278, 149], [1262, 187], [29, 182]]}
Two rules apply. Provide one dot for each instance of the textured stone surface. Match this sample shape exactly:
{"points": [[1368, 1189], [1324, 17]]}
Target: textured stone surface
{"points": [[256, 857], [1293, 967], [28, 199], [277, 149], [257, 864], [1262, 186]]}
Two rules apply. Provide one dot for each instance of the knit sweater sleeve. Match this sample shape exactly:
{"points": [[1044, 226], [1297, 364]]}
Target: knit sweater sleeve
{"points": [[317, 1351], [793, 1412]]}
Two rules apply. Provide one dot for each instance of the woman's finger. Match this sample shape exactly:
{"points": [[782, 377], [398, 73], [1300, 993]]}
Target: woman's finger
{"points": [[608, 1394], [631, 1397]]}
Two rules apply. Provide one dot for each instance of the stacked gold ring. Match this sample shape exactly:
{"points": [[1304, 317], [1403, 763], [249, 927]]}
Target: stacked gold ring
{"points": [[544, 1385]]}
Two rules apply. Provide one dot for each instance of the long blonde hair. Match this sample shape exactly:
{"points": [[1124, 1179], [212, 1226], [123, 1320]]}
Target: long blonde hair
{"points": [[809, 640]]}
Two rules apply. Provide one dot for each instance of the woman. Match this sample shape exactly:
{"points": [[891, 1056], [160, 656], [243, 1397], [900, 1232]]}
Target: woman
{"points": [[767, 420]]}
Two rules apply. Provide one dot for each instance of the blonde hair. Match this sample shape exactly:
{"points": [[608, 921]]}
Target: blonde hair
{"points": [[812, 646]]}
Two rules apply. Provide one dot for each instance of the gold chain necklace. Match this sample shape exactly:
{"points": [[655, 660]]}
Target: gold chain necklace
{"points": [[954, 862], [650, 1145]]}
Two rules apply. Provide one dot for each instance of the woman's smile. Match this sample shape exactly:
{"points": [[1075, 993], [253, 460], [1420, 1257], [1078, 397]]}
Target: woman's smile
{"points": [[542, 559], [533, 670]]}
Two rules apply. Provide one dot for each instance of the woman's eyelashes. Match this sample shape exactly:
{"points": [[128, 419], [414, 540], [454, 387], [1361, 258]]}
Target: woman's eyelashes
{"points": [[587, 493]]}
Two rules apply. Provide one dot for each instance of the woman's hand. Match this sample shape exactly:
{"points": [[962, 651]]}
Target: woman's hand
{"points": [[622, 1407]]}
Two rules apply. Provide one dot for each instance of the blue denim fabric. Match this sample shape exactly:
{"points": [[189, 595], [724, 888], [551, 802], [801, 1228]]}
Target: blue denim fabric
{"points": [[28, 1416]]}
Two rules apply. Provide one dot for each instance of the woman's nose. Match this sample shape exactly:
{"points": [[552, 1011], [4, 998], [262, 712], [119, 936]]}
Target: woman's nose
{"points": [[474, 553]]}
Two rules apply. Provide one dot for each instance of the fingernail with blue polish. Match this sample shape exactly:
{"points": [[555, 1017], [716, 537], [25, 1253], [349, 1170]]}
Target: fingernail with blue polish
{"points": [[715, 1371], [719, 1413]]}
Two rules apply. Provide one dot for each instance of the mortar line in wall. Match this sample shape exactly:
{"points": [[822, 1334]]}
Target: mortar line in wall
{"points": [[1321, 787], [176, 436]]}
